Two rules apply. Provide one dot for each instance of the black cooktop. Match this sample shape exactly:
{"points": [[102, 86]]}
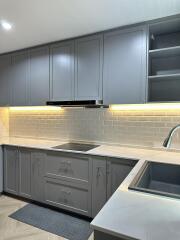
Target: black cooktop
{"points": [[82, 147]]}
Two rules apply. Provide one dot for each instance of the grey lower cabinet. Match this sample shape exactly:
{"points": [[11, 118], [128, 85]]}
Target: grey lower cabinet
{"points": [[68, 181], [24, 173], [108, 174], [125, 78], [39, 77], [62, 71], [99, 185], [117, 171], [5, 76], [11, 172], [89, 67], [19, 79], [37, 175], [75, 182]]}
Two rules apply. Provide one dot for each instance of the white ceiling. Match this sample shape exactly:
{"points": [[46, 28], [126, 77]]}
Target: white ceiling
{"points": [[41, 21]]}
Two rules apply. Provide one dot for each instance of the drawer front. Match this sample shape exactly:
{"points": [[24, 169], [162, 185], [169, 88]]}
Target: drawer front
{"points": [[72, 198], [67, 167]]}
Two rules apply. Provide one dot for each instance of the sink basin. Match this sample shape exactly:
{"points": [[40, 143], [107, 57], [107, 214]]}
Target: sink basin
{"points": [[158, 178]]}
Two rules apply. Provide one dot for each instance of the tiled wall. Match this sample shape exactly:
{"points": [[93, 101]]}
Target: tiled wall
{"points": [[144, 128], [4, 122]]}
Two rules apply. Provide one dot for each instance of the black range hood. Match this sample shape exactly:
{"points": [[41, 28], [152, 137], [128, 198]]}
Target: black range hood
{"points": [[80, 103]]}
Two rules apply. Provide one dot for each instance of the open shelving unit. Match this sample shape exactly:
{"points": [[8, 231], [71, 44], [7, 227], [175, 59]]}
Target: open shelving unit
{"points": [[164, 61]]}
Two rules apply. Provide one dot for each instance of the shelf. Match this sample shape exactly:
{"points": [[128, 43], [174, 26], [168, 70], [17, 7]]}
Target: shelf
{"points": [[169, 26], [164, 77], [165, 52]]}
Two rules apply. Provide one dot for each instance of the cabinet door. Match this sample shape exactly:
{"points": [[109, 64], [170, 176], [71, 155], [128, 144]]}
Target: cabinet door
{"points": [[5, 70], [19, 79], [39, 76], [88, 68], [11, 170], [62, 71], [25, 173], [37, 174], [117, 171], [98, 185], [125, 66]]}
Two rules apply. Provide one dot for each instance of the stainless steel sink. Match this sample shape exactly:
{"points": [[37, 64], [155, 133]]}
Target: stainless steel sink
{"points": [[158, 178]]}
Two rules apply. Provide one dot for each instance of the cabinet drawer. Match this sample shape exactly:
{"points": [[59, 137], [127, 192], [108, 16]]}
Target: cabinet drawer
{"points": [[67, 167], [69, 197]]}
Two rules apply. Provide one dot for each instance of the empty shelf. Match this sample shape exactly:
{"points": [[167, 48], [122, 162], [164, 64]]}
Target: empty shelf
{"points": [[167, 76], [165, 52]]}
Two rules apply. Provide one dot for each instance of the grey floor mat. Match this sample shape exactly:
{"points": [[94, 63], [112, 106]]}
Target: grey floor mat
{"points": [[55, 222]]}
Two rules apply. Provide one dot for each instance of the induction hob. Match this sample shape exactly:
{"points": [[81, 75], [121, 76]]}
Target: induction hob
{"points": [[82, 147]]}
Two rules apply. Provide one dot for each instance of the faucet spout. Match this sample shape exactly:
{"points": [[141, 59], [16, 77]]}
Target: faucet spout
{"points": [[168, 140]]}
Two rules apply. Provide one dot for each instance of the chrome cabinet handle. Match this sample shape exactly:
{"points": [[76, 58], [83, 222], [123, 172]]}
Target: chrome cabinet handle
{"points": [[66, 162], [65, 166], [66, 192], [69, 163], [64, 169]]}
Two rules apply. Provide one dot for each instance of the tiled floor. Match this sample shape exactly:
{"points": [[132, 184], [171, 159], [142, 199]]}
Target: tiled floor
{"points": [[13, 230]]}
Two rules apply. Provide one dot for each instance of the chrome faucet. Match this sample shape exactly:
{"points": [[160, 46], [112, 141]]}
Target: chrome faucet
{"points": [[168, 140]]}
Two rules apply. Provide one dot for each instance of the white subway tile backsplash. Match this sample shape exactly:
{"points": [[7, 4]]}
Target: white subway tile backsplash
{"points": [[144, 128]]}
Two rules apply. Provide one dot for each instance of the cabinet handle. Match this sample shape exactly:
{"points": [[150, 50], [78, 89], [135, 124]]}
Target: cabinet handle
{"points": [[98, 172], [33, 167], [64, 169], [66, 162], [39, 168], [66, 192], [69, 163], [63, 162], [108, 172]]}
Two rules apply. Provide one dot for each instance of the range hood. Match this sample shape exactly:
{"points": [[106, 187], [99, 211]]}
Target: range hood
{"points": [[80, 103]]}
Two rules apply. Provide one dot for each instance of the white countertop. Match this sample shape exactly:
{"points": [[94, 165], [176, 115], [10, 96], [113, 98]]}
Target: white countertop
{"points": [[138, 215], [128, 213]]}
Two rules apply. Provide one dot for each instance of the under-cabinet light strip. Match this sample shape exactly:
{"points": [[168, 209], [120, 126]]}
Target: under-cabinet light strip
{"points": [[116, 107], [153, 106], [38, 108]]}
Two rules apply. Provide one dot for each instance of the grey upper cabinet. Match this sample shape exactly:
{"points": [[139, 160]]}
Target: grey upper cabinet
{"points": [[11, 170], [5, 71], [25, 173], [125, 66], [88, 67], [62, 71], [39, 76], [99, 183], [19, 79]]}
